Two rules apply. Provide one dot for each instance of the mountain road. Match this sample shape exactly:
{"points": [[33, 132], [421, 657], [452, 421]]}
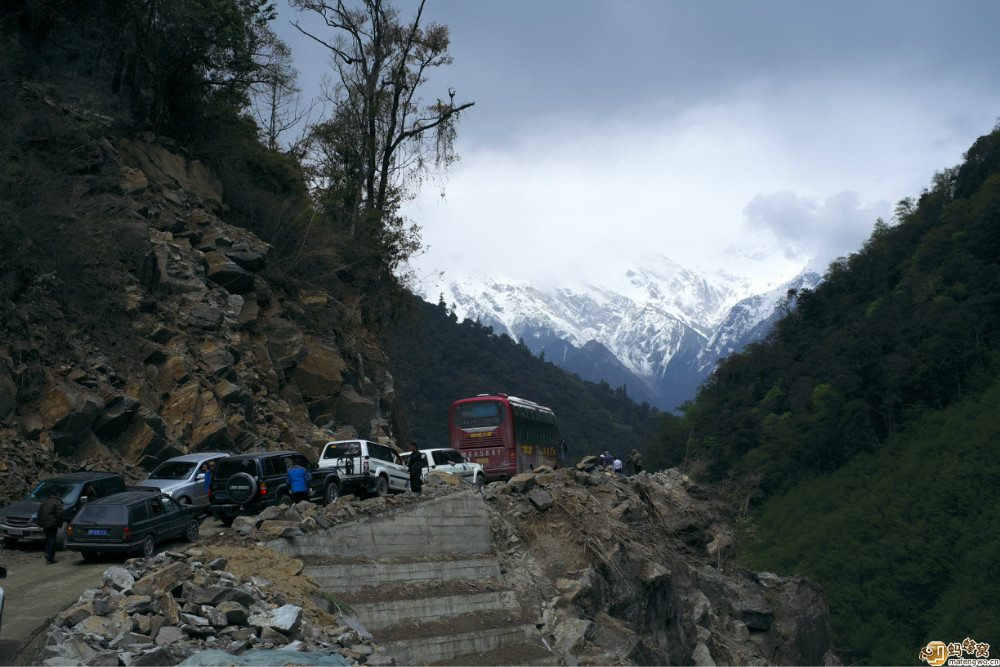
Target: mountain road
{"points": [[35, 591]]}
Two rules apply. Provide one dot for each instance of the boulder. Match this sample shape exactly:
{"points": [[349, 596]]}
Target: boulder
{"points": [[320, 372], [68, 413]]}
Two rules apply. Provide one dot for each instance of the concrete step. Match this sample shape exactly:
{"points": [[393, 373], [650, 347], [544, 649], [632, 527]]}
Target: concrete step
{"points": [[452, 524], [513, 654], [441, 648], [344, 577], [393, 613]]}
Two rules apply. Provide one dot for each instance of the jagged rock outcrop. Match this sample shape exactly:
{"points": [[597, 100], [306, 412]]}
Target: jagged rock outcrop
{"points": [[215, 356]]}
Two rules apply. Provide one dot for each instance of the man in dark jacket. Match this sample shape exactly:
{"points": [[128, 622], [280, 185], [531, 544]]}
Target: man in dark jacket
{"points": [[415, 463], [50, 516]]}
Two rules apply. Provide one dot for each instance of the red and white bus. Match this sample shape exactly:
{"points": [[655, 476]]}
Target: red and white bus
{"points": [[505, 434]]}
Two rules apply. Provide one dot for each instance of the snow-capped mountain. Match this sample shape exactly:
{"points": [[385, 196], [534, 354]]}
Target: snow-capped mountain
{"points": [[658, 330]]}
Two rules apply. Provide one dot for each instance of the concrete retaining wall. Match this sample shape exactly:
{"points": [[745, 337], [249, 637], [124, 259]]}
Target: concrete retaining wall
{"points": [[342, 577], [456, 523]]}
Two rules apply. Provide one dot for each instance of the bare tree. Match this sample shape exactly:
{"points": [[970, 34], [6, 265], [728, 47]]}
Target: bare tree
{"points": [[277, 100], [382, 139]]}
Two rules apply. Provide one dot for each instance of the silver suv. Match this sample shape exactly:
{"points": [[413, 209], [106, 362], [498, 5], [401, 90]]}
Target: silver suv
{"points": [[181, 477], [365, 467]]}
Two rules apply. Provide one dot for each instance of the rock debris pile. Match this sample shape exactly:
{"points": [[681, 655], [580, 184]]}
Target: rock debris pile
{"points": [[166, 609]]}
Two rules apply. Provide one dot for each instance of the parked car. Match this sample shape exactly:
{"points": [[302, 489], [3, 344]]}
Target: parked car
{"points": [[131, 521], [19, 521], [181, 477], [365, 467], [3, 575], [247, 483], [445, 459]]}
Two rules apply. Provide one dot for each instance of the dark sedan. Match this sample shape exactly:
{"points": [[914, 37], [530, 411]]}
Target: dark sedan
{"points": [[134, 521]]}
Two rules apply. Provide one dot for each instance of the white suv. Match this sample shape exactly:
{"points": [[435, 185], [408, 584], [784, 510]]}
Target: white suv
{"points": [[450, 460], [365, 467]]}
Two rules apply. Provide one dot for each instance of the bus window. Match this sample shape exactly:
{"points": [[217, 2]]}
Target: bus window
{"points": [[484, 414]]}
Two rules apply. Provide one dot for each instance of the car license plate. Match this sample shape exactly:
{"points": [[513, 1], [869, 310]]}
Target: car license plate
{"points": [[94, 531], [15, 531], [483, 462], [221, 496]]}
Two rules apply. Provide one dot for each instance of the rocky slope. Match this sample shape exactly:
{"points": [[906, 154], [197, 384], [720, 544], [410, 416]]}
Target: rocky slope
{"points": [[199, 350]]}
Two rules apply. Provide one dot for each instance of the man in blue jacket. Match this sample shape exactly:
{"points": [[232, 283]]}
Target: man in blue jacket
{"points": [[298, 482]]}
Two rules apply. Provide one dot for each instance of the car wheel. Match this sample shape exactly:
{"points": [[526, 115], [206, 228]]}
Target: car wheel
{"points": [[383, 486], [90, 555], [191, 534], [285, 499], [332, 493], [61, 537], [10, 542], [148, 546], [480, 482]]}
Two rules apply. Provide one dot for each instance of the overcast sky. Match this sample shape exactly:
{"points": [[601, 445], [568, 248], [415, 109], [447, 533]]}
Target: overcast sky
{"points": [[753, 137]]}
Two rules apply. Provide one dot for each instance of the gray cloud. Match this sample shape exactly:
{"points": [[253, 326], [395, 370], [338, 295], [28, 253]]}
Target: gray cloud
{"points": [[806, 227]]}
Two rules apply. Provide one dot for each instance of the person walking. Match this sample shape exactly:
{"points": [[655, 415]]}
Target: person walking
{"points": [[637, 461], [50, 518], [415, 463], [298, 482]]}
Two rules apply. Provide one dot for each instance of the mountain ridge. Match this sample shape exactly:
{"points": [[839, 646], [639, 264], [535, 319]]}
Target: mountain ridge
{"points": [[659, 330]]}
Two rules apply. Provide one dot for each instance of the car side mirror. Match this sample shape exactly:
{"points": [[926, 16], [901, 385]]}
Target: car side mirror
{"points": [[200, 477]]}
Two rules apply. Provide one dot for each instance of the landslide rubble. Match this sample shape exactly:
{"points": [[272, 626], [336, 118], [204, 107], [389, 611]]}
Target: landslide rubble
{"points": [[163, 610], [616, 570]]}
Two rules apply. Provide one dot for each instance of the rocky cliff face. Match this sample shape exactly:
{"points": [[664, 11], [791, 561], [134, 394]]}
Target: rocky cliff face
{"points": [[207, 353]]}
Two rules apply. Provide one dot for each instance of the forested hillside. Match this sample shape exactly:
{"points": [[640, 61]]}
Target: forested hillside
{"points": [[439, 360], [867, 419]]}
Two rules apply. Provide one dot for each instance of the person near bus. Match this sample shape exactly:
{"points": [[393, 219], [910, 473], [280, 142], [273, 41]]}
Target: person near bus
{"points": [[415, 463]]}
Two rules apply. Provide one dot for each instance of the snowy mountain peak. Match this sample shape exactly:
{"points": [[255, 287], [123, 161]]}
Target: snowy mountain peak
{"points": [[664, 324]]}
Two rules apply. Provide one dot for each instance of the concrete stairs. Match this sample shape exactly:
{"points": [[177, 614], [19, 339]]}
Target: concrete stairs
{"points": [[424, 582]]}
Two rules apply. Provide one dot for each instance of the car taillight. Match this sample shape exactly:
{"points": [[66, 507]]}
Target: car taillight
{"points": [[69, 531], [127, 534], [263, 488], [512, 455], [364, 467]]}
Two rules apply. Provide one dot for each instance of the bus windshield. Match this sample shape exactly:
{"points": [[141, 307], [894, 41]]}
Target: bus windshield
{"points": [[480, 414]]}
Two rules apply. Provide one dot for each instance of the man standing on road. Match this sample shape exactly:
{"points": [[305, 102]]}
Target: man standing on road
{"points": [[298, 482], [50, 516], [415, 463]]}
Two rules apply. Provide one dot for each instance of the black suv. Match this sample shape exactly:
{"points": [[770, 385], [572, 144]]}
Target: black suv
{"points": [[19, 521], [247, 483], [131, 521]]}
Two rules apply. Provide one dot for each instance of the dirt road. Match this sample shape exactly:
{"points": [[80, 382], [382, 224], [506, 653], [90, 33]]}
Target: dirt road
{"points": [[34, 591]]}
